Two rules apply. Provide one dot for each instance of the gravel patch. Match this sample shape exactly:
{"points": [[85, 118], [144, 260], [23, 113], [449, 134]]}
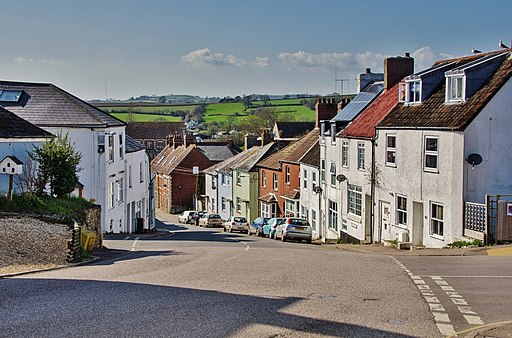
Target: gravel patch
{"points": [[30, 244]]}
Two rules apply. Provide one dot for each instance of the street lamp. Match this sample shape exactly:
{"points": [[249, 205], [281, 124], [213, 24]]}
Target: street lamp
{"points": [[318, 190]]}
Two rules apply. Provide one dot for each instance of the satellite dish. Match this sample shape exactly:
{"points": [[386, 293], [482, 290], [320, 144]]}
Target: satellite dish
{"points": [[474, 159], [341, 178]]}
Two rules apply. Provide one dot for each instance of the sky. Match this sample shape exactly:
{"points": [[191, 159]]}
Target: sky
{"points": [[99, 49]]}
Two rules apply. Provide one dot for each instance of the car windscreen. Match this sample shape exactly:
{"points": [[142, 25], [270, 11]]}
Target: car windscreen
{"points": [[215, 216], [240, 219], [296, 221]]}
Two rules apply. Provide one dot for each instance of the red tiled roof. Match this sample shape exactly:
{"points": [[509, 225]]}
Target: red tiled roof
{"points": [[291, 153], [364, 125], [434, 113], [169, 159], [292, 195], [268, 198]]}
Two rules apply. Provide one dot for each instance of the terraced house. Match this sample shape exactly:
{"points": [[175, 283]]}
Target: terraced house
{"points": [[100, 139]]}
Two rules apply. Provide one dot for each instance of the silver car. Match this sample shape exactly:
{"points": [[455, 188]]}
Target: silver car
{"points": [[235, 223], [294, 228]]}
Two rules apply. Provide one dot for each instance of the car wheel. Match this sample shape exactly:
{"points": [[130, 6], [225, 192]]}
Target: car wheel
{"points": [[308, 241], [249, 232], [225, 229]]}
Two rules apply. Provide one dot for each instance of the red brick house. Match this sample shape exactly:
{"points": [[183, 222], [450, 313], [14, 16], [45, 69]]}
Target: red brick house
{"points": [[176, 178]]}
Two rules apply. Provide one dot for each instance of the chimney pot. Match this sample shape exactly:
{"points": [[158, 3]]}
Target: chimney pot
{"points": [[407, 54], [368, 70]]}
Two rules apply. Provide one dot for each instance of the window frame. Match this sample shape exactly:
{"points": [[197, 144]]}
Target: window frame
{"points": [[390, 150], [121, 146], [305, 179], [361, 153], [431, 153], [263, 178], [344, 153], [332, 214], [332, 172], [111, 148], [451, 84], [275, 181], [436, 223], [322, 170], [355, 200], [111, 195], [238, 204], [287, 174], [401, 210]]}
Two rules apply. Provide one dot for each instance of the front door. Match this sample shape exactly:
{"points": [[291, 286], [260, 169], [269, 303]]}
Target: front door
{"points": [[417, 223], [385, 220]]}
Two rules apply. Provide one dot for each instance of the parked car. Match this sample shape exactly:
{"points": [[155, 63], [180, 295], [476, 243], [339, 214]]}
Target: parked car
{"points": [[235, 223], [294, 228], [255, 227], [197, 216], [187, 216], [210, 221], [269, 229]]}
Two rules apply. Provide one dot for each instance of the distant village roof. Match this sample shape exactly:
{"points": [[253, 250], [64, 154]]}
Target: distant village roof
{"points": [[218, 151], [312, 156], [12, 126], [364, 125], [293, 129], [132, 145], [291, 153], [434, 113], [225, 166], [170, 158], [255, 154], [45, 104], [153, 130]]}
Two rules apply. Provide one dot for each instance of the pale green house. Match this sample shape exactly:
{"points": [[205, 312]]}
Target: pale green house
{"points": [[245, 181]]}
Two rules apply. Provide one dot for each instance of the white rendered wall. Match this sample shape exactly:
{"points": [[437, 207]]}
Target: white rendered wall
{"points": [[308, 198]]}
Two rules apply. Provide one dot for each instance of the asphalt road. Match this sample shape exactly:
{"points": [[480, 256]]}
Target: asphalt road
{"points": [[198, 282]]}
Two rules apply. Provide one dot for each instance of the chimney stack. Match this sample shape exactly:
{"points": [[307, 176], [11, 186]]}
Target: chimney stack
{"points": [[266, 136], [250, 140], [326, 109], [396, 68], [367, 78]]}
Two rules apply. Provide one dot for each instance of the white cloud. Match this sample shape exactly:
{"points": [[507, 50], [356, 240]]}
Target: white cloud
{"points": [[262, 62], [205, 57], [425, 57], [326, 61], [22, 59]]}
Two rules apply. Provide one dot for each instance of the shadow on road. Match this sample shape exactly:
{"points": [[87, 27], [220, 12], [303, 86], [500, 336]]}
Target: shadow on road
{"points": [[111, 256], [56, 307]]}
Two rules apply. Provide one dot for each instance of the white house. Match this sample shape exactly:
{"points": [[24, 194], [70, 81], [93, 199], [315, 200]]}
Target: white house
{"points": [[99, 137], [310, 190], [17, 139], [449, 115]]}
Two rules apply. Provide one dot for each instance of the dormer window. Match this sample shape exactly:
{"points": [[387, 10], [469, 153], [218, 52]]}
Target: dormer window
{"points": [[455, 88], [410, 91]]}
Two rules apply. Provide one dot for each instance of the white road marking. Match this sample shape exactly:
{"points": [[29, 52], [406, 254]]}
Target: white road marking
{"points": [[441, 317], [446, 329], [459, 301], [474, 320], [466, 309], [134, 243], [436, 307], [470, 276]]}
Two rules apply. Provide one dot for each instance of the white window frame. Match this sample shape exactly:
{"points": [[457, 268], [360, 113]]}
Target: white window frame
{"points": [[291, 208], [238, 204], [360, 156], [344, 153], [313, 180], [401, 210], [268, 209], [332, 172], [390, 150], [111, 195], [238, 178], [431, 153], [287, 175], [454, 93], [313, 219], [274, 181], [263, 178], [333, 215], [414, 91], [130, 176], [322, 170], [141, 172], [355, 200], [121, 146], [436, 222], [305, 179], [111, 147], [223, 204], [120, 190]]}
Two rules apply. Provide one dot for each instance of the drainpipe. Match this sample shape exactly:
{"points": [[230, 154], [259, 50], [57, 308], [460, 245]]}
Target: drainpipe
{"points": [[372, 189]]}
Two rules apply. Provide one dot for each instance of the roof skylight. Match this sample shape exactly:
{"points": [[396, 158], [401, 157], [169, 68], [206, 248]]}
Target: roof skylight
{"points": [[10, 95]]}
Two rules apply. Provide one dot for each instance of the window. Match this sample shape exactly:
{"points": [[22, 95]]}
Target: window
{"points": [[333, 173], [344, 153], [314, 179], [414, 91], [263, 178], [287, 177], [223, 204], [322, 170], [120, 190], [121, 146], [274, 181], [223, 178], [455, 88], [130, 175], [313, 219], [305, 178], [391, 150], [355, 198], [401, 210], [291, 208], [160, 145], [238, 204], [111, 147], [360, 155], [333, 215], [333, 133], [268, 210], [436, 219], [213, 204], [141, 172], [149, 145], [238, 178], [431, 153], [10, 95], [111, 195]]}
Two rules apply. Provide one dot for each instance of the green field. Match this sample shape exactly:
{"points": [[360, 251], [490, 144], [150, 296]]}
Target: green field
{"points": [[146, 117], [215, 112]]}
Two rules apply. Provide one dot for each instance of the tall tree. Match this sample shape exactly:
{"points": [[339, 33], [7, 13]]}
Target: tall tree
{"points": [[58, 165]]}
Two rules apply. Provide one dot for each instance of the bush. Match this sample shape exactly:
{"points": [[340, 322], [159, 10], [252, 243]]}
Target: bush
{"points": [[463, 244]]}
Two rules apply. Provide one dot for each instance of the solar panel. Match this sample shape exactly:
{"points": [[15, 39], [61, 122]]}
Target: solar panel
{"points": [[360, 102]]}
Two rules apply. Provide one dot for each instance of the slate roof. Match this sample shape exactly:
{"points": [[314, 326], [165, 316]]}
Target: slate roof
{"points": [[255, 154], [360, 102], [364, 125], [45, 104], [294, 129], [169, 159], [225, 166], [433, 113], [291, 153], [217, 152], [312, 156], [12, 126], [132, 145], [153, 130]]}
